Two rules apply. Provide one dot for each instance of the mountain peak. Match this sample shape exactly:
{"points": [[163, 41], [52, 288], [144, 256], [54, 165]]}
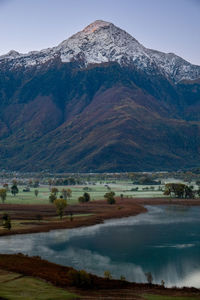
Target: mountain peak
{"points": [[95, 26], [103, 42]]}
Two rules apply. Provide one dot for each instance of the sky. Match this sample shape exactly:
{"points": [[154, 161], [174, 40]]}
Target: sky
{"points": [[168, 26]]}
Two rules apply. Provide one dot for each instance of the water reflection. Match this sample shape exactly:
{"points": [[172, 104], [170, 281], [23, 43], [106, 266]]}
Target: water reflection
{"points": [[164, 241]]}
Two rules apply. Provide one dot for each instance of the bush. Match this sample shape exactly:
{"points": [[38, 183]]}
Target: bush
{"points": [[84, 198], [87, 197], [107, 275], [6, 221], [81, 199], [149, 277], [111, 200], [110, 197], [79, 279], [122, 278], [52, 198]]}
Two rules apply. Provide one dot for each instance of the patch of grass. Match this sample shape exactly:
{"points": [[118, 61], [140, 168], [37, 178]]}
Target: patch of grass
{"points": [[97, 193], [162, 297], [7, 276], [28, 288]]}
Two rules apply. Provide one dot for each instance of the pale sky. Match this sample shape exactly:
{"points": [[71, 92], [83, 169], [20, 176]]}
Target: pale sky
{"points": [[168, 26]]}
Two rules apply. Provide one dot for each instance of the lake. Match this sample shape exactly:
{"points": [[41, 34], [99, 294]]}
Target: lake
{"points": [[164, 241]]}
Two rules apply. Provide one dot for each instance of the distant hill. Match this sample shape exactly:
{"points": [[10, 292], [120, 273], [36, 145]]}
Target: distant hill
{"points": [[99, 101]]}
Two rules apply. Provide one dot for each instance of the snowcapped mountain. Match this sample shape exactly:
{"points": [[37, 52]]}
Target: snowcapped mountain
{"points": [[102, 42], [99, 101]]}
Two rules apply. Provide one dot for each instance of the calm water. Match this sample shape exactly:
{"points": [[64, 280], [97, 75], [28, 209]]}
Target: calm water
{"points": [[164, 241]]}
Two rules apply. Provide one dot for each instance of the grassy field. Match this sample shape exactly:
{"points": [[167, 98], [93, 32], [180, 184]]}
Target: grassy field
{"points": [[16, 287], [162, 297], [96, 192]]}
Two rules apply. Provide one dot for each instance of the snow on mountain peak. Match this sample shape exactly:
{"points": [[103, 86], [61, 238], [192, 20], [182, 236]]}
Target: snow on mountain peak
{"points": [[95, 26], [102, 42]]}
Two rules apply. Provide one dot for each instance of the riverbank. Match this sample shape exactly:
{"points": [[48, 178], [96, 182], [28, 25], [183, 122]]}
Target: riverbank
{"points": [[84, 215], [99, 288], [42, 218], [87, 214]]}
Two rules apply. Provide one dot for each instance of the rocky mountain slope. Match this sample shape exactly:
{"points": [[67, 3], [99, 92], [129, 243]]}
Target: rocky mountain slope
{"points": [[99, 101]]}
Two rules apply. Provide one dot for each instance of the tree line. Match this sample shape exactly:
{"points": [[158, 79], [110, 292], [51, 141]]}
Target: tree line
{"points": [[181, 190]]}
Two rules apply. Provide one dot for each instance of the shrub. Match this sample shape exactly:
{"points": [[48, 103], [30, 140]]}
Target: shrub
{"points": [[111, 200], [149, 277], [7, 222], [79, 279], [81, 199], [122, 278], [84, 198], [107, 275], [52, 198], [162, 283], [110, 197]]}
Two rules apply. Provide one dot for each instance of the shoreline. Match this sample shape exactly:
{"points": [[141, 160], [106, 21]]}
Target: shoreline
{"points": [[56, 274], [96, 213]]}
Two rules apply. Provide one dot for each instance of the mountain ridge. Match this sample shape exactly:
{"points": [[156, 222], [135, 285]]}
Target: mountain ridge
{"points": [[102, 42], [110, 115]]}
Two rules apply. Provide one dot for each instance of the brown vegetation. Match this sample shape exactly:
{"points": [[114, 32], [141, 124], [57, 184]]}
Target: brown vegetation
{"points": [[95, 213]]}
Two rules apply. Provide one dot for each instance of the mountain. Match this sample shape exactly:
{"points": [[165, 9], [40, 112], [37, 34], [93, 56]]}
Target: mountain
{"points": [[99, 101]]}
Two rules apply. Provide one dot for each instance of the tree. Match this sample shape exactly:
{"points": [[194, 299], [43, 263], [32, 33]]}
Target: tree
{"points": [[52, 198], [36, 183], [5, 186], [189, 193], [107, 275], [79, 278], [110, 197], [36, 193], [71, 181], [179, 190], [50, 182], [64, 193], [81, 199], [6, 221], [69, 193], [149, 277], [14, 182], [54, 191], [14, 189], [3, 194], [60, 204], [71, 216], [122, 278], [5, 217], [87, 197], [84, 198]]}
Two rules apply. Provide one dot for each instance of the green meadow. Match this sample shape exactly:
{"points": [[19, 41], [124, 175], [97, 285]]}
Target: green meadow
{"points": [[96, 192], [17, 287]]}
